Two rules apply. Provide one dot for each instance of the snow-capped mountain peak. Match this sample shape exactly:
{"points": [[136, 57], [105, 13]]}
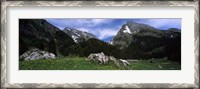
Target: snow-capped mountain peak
{"points": [[77, 35]]}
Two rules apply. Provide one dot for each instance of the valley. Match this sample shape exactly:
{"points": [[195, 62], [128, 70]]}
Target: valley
{"points": [[155, 49]]}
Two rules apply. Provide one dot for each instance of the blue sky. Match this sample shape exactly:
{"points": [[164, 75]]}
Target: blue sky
{"points": [[106, 29]]}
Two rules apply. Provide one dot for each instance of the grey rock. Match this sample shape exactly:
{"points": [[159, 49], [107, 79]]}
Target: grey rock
{"points": [[124, 62], [104, 59], [36, 54], [100, 57]]}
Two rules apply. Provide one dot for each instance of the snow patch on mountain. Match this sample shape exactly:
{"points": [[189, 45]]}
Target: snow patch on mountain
{"points": [[77, 35], [127, 30], [74, 38], [136, 31]]}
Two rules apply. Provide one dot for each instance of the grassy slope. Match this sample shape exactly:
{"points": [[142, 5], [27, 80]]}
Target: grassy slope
{"points": [[79, 63]]}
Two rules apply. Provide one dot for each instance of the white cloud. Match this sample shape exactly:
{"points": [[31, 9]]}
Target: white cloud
{"points": [[101, 33], [78, 23], [92, 22], [87, 25], [105, 33], [158, 23], [83, 29], [98, 21]]}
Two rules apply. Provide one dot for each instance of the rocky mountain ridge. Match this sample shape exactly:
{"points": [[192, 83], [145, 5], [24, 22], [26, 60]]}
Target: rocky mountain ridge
{"points": [[144, 41], [77, 35], [125, 35]]}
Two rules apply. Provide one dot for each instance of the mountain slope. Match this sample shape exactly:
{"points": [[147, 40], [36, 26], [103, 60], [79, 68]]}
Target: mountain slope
{"points": [[77, 35], [124, 36], [38, 33], [144, 41]]}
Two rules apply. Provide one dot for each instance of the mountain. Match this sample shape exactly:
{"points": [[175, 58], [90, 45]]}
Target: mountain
{"points": [[77, 35], [144, 41], [38, 33], [124, 36]]}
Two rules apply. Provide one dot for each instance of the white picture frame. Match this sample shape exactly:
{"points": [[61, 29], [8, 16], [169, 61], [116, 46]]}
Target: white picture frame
{"points": [[136, 4]]}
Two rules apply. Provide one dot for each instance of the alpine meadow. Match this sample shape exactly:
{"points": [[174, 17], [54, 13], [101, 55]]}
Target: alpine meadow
{"points": [[100, 44]]}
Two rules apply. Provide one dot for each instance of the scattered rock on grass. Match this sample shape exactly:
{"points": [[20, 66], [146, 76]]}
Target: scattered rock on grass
{"points": [[104, 59], [125, 63], [35, 54]]}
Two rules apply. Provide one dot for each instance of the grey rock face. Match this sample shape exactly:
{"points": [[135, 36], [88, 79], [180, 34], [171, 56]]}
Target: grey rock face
{"points": [[36, 54], [77, 35], [133, 26]]}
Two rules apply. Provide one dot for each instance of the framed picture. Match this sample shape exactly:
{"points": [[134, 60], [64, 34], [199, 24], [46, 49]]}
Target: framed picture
{"points": [[100, 44]]}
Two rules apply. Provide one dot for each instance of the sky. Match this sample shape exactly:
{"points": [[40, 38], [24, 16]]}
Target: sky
{"points": [[106, 29]]}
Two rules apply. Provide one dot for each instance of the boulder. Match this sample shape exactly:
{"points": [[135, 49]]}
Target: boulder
{"points": [[124, 62], [100, 57], [36, 54], [115, 61], [104, 59]]}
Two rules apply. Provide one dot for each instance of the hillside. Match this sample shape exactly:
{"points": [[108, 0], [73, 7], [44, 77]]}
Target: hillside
{"points": [[38, 33], [144, 41]]}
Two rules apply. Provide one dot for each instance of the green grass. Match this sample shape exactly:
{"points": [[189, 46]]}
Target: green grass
{"points": [[163, 63], [79, 63]]}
